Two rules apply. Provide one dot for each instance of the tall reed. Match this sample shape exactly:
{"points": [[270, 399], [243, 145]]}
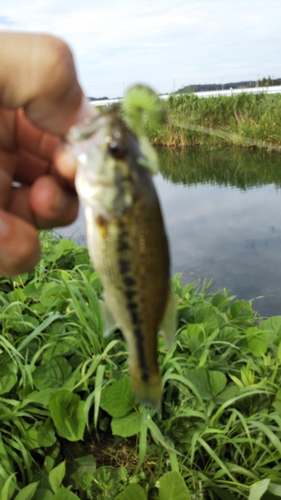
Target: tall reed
{"points": [[251, 120]]}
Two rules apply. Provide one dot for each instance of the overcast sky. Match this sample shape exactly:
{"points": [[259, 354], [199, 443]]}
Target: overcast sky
{"points": [[167, 44]]}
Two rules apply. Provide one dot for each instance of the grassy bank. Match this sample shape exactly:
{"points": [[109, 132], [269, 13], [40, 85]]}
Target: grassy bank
{"points": [[69, 424], [244, 119]]}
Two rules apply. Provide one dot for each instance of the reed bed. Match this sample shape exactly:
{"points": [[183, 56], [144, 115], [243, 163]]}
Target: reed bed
{"points": [[250, 120]]}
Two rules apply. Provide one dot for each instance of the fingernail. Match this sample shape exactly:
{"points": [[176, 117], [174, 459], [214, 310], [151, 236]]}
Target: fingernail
{"points": [[85, 110], [4, 227]]}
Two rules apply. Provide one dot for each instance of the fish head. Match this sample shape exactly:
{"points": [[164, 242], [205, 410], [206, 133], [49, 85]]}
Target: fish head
{"points": [[107, 153]]}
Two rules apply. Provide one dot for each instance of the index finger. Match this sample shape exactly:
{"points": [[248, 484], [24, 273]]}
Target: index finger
{"points": [[39, 75]]}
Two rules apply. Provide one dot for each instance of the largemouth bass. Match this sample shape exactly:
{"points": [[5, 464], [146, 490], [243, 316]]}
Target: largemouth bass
{"points": [[127, 242]]}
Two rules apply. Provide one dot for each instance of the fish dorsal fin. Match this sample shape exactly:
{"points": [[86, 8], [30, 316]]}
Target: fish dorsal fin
{"points": [[169, 322], [109, 322]]}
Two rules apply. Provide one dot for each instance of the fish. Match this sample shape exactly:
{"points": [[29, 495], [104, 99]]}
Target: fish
{"points": [[127, 243]]}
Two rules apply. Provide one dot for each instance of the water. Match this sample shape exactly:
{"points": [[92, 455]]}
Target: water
{"points": [[223, 217]]}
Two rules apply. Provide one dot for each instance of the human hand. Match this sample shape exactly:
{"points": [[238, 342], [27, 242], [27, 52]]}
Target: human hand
{"points": [[40, 99]]}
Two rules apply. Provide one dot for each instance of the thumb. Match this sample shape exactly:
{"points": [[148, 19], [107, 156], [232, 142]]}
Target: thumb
{"points": [[40, 76]]}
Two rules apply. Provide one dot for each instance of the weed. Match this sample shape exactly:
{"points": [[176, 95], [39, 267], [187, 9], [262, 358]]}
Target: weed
{"points": [[70, 425]]}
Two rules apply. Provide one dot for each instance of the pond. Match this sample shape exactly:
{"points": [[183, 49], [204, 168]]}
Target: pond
{"points": [[222, 209]]}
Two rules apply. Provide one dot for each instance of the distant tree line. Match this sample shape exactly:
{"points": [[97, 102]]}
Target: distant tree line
{"points": [[264, 82], [268, 82], [97, 98]]}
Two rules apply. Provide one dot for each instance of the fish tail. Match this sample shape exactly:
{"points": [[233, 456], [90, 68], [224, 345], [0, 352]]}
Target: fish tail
{"points": [[147, 389]]}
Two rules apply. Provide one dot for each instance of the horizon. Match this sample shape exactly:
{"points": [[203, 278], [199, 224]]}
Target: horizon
{"points": [[225, 85]]}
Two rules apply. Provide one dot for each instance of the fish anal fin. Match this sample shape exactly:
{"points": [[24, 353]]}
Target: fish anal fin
{"points": [[109, 322]]}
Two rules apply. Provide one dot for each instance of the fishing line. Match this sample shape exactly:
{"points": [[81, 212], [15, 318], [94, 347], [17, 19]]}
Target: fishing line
{"points": [[230, 137]]}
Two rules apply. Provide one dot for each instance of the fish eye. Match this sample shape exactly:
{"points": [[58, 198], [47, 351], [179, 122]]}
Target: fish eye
{"points": [[116, 150]]}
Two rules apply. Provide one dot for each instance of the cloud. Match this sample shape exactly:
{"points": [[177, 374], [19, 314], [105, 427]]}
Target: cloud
{"points": [[198, 41]]}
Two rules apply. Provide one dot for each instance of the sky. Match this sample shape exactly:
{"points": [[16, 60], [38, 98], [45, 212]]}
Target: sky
{"points": [[165, 44]]}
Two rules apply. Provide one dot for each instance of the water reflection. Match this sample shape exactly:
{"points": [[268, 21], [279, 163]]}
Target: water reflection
{"points": [[223, 217], [236, 167]]}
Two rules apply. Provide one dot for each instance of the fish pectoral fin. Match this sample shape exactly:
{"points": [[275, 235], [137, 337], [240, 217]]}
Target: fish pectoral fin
{"points": [[169, 322], [109, 322]]}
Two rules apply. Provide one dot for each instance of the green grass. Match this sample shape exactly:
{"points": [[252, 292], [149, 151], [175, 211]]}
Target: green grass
{"points": [[70, 426], [251, 120]]}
